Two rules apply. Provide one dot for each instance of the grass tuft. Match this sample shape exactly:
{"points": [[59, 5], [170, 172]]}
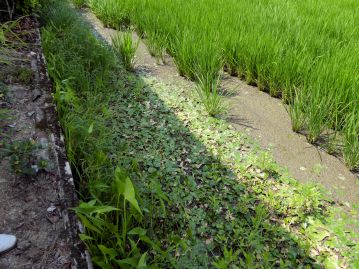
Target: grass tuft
{"points": [[126, 47], [209, 93]]}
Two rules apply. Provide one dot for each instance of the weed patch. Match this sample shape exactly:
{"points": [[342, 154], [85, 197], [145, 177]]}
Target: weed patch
{"points": [[22, 156]]}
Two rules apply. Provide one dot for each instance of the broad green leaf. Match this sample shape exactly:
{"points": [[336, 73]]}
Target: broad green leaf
{"points": [[87, 224], [331, 262], [129, 194], [138, 231], [107, 251], [85, 237], [104, 209], [90, 129], [119, 182], [142, 261], [92, 202], [128, 261], [147, 240]]}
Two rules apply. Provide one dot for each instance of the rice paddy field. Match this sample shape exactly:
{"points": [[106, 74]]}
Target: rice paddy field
{"points": [[306, 52], [163, 181]]}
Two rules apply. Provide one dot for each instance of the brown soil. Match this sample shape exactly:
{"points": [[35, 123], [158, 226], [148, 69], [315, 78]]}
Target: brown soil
{"points": [[35, 207], [265, 119]]}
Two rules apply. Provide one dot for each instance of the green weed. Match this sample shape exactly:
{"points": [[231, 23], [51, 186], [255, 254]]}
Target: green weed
{"points": [[24, 75], [126, 47], [209, 94], [9, 41], [115, 226], [22, 156]]}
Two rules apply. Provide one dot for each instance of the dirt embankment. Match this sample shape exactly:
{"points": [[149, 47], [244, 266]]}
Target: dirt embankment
{"points": [[36, 189]]}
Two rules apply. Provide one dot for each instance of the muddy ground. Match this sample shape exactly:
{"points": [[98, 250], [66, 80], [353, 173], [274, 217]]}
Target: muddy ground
{"points": [[36, 191], [263, 118]]}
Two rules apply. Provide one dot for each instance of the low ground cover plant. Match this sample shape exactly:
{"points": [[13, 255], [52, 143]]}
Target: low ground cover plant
{"points": [[162, 184]]}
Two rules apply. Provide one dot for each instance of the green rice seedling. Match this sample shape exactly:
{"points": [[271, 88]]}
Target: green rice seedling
{"points": [[112, 12], [209, 94], [79, 3], [156, 45], [184, 55], [351, 144], [126, 47], [296, 111], [208, 64]]}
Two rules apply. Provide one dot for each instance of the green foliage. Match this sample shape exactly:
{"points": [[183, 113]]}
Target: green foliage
{"points": [[112, 12], [228, 258], [22, 156], [28, 6], [156, 45], [188, 192], [24, 75], [316, 58], [351, 147], [79, 3], [114, 225], [24, 7], [125, 48], [9, 41], [209, 94]]}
